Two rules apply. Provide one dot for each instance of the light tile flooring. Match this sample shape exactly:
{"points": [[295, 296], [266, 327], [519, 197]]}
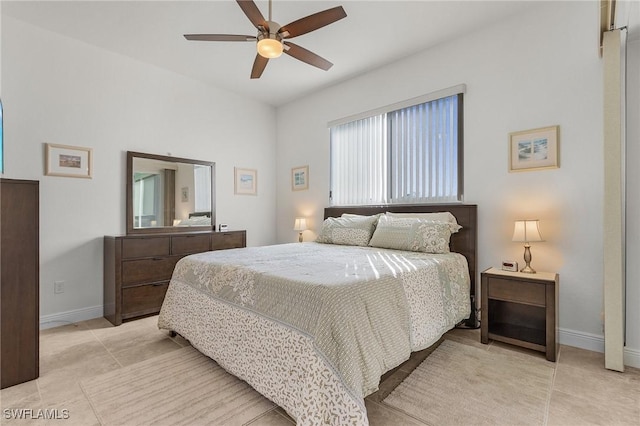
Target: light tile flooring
{"points": [[583, 392]]}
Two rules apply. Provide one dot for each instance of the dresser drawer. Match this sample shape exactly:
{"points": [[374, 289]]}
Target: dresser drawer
{"points": [[227, 240], [143, 300], [145, 247], [138, 268], [517, 291], [148, 270], [188, 244]]}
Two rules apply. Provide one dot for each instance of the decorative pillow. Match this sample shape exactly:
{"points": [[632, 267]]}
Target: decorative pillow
{"points": [[413, 234], [435, 217], [348, 230]]}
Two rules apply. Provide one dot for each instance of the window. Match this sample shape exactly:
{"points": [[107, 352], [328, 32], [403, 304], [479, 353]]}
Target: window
{"points": [[147, 199], [202, 188], [405, 154]]}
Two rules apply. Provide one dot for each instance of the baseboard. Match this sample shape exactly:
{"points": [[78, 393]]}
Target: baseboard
{"points": [[580, 339], [632, 357], [594, 342], [69, 317]]}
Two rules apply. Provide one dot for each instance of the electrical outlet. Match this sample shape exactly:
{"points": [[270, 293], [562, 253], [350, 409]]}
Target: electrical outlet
{"points": [[58, 287]]}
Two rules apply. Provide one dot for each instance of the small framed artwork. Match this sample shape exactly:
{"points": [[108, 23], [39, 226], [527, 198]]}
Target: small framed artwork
{"points": [[68, 161], [246, 181], [300, 178], [535, 149], [184, 194]]}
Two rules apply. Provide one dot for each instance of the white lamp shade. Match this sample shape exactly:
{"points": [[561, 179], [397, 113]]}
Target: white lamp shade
{"points": [[301, 224], [526, 231]]}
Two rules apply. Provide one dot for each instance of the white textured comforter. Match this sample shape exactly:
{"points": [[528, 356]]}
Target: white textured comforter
{"points": [[314, 326]]}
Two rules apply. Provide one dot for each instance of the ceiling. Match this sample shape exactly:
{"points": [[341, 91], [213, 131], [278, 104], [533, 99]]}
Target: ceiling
{"points": [[373, 34]]}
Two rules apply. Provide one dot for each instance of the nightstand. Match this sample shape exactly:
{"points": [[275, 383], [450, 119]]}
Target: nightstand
{"points": [[520, 309]]}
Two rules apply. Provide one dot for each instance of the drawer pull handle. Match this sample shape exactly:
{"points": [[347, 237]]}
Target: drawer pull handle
{"points": [[157, 258], [158, 284]]}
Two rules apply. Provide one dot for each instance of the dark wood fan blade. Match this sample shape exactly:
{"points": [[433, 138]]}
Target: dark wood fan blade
{"points": [[258, 66], [219, 37], [312, 22], [253, 13], [304, 55]]}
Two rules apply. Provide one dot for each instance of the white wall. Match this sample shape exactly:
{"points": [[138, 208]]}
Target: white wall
{"points": [[532, 71], [59, 90]]}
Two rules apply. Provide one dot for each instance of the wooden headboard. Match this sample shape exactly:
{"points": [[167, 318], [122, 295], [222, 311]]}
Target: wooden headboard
{"points": [[464, 241]]}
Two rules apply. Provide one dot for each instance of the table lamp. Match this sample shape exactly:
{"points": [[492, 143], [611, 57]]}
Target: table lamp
{"points": [[300, 225], [526, 231]]}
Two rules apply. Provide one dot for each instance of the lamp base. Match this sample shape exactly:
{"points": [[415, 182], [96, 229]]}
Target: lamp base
{"points": [[527, 259], [300, 237], [528, 270]]}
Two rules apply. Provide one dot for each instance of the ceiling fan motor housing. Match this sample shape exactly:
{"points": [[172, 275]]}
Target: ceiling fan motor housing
{"points": [[270, 41]]}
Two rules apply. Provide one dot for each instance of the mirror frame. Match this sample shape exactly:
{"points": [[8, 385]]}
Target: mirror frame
{"points": [[166, 229]]}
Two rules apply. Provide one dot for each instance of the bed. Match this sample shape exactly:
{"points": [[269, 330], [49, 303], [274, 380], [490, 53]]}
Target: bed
{"points": [[314, 326]]}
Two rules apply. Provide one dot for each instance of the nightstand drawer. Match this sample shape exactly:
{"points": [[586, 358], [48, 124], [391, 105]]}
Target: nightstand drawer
{"points": [[517, 291]]}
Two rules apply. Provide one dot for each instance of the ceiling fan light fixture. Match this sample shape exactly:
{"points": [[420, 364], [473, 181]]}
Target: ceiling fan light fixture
{"points": [[270, 48]]}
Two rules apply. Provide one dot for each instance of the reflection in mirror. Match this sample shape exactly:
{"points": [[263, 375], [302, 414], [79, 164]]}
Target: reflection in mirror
{"points": [[167, 192]]}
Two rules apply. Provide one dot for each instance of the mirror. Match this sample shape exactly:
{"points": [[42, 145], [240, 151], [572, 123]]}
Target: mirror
{"points": [[169, 194]]}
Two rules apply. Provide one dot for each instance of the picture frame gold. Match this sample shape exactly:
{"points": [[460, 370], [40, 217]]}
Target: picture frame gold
{"points": [[246, 181], [535, 149], [300, 178], [68, 161]]}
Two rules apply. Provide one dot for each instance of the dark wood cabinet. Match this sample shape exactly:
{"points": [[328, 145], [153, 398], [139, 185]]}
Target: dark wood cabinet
{"points": [[138, 268], [521, 309], [19, 281]]}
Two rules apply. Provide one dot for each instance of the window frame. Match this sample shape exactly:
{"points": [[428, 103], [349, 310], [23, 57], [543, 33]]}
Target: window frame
{"points": [[457, 91]]}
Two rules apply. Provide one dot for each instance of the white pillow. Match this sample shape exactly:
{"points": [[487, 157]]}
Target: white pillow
{"points": [[347, 230], [434, 217], [413, 234]]}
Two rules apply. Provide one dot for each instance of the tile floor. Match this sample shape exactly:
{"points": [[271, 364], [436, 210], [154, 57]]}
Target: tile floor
{"points": [[583, 392]]}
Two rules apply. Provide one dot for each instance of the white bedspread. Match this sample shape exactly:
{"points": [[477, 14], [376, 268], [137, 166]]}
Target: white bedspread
{"points": [[314, 326]]}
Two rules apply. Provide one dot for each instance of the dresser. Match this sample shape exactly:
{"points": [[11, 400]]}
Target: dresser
{"points": [[138, 268], [19, 281]]}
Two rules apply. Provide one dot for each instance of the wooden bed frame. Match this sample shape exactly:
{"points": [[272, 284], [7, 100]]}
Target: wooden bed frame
{"points": [[463, 242]]}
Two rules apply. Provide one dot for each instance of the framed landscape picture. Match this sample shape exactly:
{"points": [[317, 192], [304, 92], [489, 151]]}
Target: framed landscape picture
{"points": [[68, 161], [300, 178], [246, 181], [534, 149]]}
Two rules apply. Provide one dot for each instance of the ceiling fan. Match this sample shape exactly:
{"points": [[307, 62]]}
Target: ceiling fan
{"points": [[271, 36]]}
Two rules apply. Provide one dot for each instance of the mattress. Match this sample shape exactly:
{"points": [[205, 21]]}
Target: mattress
{"points": [[313, 326]]}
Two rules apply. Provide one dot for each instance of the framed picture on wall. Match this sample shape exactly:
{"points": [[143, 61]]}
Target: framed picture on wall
{"points": [[68, 161], [534, 149], [300, 178], [246, 181]]}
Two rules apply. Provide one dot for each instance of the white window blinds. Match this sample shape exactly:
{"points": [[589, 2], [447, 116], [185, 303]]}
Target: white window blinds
{"points": [[424, 157], [408, 155], [202, 188], [359, 162]]}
